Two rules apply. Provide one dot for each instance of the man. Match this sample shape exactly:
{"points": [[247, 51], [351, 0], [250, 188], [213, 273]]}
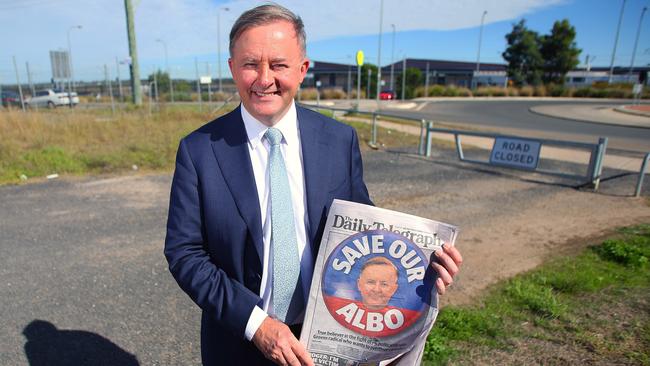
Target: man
{"points": [[250, 196], [377, 282]]}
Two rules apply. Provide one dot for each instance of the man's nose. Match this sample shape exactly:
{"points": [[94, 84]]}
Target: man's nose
{"points": [[265, 76]]}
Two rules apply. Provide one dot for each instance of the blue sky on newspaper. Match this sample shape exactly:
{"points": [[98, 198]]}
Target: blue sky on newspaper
{"points": [[336, 29]]}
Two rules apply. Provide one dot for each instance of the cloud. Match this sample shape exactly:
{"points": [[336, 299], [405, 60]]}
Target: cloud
{"points": [[189, 27]]}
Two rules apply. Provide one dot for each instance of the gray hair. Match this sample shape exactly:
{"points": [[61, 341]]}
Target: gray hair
{"points": [[263, 15]]}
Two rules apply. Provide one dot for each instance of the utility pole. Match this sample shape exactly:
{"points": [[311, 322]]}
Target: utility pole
{"points": [[636, 41], [134, 68], [392, 62], [219, 46], [29, 79], [618, 28], [119, 80], [198, 83], [368, 87], [20, 88], [426, 82], [480, 39], [381, 20], [109, 87], [403, 77]]}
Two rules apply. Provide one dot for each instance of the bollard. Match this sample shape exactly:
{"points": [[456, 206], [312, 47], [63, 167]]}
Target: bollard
{"points": [[459, 147], [373, 138], [598, 166], [427, 150], [639, 182], [423, 124]]}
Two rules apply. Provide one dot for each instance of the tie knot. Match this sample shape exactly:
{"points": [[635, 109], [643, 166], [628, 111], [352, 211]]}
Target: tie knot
{"points": [[274, 136]]}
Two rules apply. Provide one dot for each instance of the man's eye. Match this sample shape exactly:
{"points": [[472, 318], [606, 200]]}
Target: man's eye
{"points": [[279, 66]]}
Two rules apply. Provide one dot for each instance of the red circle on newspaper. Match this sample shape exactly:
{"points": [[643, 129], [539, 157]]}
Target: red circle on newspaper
{"points": [[374, 283]]}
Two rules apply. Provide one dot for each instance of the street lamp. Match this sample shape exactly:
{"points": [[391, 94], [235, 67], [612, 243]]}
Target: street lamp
{"points": [[70, 65], [381, 20], [618, 28], [169, 74], [480, 39], [219, 44], [392, 61], [636, 41]]}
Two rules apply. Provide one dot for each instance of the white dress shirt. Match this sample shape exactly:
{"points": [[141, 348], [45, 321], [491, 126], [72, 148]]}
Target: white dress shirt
{"points": [[259, 148]]}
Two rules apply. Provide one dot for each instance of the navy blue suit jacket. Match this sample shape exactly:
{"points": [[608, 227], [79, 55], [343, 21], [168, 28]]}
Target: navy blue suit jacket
{"points": [[214, 231]]}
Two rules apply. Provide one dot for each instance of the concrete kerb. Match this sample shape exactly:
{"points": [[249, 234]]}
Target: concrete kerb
{"points": [[625, 109]]}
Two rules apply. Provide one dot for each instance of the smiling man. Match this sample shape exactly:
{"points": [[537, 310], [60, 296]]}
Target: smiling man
{"points": [[377, 283], [250, 196]]}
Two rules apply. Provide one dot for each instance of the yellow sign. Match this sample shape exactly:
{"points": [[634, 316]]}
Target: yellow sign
{"points": [[360, 58]]}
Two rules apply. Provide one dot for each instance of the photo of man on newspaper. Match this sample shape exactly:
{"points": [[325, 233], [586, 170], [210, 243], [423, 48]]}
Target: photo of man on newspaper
{"points": [[377, 283]]}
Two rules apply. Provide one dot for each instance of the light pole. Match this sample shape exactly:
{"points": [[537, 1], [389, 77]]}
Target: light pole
{"points": [[392, 61], [70, 65], [381, 20], [480, 39], [169, 73], [618, 28], [636, 41], [219, 45]]}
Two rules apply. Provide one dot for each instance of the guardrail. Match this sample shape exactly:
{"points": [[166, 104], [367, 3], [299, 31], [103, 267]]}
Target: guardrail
{"points": [[590, 177], [373, 135]]}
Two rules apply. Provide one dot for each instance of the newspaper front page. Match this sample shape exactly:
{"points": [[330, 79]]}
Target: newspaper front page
{"points": [[372, 296]]}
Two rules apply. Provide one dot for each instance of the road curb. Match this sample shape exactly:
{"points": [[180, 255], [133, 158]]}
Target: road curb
{"points": [[623, 109], [533, 111]]}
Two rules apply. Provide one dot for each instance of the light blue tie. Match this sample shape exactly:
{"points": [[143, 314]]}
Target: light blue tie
{"points": [[286, 265]]}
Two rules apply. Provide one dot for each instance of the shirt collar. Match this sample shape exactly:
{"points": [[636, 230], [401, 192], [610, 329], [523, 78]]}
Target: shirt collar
{"points": [[255, 129]]}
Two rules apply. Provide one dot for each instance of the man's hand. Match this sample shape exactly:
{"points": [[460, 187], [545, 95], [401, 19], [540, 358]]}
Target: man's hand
{"points": [[274, 339], [447, 265]]}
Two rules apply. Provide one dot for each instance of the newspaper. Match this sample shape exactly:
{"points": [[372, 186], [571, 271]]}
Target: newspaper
{"points": [[372, 295]]}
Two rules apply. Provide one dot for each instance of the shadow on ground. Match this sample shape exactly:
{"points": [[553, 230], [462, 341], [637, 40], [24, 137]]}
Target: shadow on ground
{"points": [[47, 345]]}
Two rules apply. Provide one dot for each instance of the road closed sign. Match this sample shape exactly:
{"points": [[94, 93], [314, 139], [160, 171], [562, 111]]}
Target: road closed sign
{"points": [[515, 153]]}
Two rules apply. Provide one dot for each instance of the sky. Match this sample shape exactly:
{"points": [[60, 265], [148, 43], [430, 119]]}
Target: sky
{"points": [[336, 29]]}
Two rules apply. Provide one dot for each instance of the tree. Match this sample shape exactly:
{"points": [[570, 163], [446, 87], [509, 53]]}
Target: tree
{"points": [[523, 55], [162, 79], [559, 52], [413, 80]]}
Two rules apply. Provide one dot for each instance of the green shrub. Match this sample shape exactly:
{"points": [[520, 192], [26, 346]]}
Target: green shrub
{"points": [[308, 94], [540, 91], [333, 93], [526, 91], [436, 90], [633, 252], [512, 92]]}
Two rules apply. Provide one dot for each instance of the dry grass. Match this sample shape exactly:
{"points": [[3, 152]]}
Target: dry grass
{"points": [[38, 143]]}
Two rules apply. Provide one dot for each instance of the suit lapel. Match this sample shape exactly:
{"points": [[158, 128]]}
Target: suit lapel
{"points": [[231, 151], [314, 140]]}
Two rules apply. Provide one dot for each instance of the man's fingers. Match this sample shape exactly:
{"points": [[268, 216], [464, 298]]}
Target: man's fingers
{"points": [[443, 275], [440, 286], [453, 253], [302, 354], [447, 262]]}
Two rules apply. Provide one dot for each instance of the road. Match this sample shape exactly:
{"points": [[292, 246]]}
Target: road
{"points": [[515, 117]]}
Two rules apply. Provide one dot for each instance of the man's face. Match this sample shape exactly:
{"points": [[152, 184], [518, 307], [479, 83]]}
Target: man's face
{"points": [[377, 284], [268, 66]]}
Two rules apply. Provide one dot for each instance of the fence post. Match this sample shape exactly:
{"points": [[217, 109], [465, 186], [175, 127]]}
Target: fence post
{"points": [[598, 166], [459, 147], [427, 150], [639, 182], [373, 138], [423, 124]]}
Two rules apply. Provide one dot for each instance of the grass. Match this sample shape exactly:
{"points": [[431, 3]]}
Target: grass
{"points": [[41, 142], [82, 142], [594, 305]]}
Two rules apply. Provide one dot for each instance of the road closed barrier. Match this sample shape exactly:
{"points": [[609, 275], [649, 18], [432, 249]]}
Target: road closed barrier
{"points": [[522, 153]]}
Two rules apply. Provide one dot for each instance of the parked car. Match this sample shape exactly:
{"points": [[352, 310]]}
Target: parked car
{"points": [[10, 98], [387, 95], [52, 98]]}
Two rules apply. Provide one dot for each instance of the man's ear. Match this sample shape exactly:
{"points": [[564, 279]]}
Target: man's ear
{"points": [[230, 66], [304, 66]]}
